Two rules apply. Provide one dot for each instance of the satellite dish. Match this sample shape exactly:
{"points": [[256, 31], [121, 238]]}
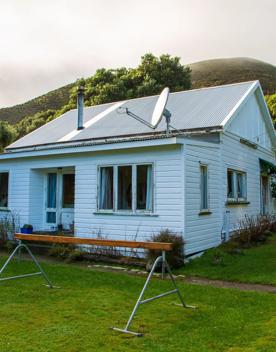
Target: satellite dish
{"points": [[160, 107], [158, 112]]}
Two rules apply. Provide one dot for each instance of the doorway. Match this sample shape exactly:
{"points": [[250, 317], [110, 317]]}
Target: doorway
{"points": [[59, 199], [264, 195]]}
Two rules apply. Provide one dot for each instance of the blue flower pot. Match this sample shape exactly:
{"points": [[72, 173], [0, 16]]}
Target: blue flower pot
{"points": [[26, 231]]}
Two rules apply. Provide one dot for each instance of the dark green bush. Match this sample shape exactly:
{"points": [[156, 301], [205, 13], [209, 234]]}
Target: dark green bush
{"points": [[175, 257]]}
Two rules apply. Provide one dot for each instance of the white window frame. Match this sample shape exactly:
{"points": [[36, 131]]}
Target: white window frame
{"points": [[235, 174], [205, 166], [134, 209]]}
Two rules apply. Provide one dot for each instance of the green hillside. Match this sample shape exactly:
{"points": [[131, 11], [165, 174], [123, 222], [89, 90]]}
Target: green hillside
{"points": [[204, 74], [53, 100], [223, 71]]}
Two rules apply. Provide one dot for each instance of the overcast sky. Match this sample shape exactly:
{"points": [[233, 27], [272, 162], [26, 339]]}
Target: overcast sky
{"points": [[48, 43]]}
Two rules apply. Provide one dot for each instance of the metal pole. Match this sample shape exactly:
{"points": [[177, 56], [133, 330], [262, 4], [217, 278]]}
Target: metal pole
{"points": [[140, 301], [174, 283], [38, 265], [163, 264], [19, 246], [10, 258], [142, 292]]}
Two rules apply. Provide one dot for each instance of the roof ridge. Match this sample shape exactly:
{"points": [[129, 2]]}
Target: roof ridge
{"points": [[181, 91]]}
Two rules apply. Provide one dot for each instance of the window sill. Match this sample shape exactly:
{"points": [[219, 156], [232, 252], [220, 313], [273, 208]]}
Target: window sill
{"points": [[205, 212], [4, 209], [124, 213], [237, 202]]}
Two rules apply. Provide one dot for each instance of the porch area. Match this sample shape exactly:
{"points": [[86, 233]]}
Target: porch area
{"points": [[52, 199]]}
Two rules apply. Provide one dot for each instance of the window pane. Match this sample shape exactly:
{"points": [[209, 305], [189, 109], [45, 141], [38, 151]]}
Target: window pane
{"points": [[241, 185], [4, 188], [230, 184], [203, 187], [68, 191], [51, 217], [144, 187], [106, 188], [52, 190], [124, 187]]}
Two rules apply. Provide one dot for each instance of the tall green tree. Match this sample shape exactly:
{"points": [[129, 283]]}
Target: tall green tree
{"points": [[149, 78], [271, 103], [7, 134], [108, 85]]}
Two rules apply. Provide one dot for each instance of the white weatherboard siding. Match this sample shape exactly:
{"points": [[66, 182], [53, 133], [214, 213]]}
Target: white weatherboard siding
{"points": [[27, 196], [202, 231], [241, 157], [249, 124], [168, 199]]}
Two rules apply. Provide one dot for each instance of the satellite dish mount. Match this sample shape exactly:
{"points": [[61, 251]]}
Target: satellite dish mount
{"points": [[158, 112]]}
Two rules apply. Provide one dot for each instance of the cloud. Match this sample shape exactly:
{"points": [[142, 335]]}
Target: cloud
{"points": [[46, 44]]}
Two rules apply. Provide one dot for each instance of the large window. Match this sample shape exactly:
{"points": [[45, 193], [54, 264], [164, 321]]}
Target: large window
{"points": [[236, 185], [130, 185], [204, 187], [4, 189]]}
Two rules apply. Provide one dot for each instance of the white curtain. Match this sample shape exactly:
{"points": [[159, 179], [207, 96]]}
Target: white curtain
{"points": [[106, 191]]}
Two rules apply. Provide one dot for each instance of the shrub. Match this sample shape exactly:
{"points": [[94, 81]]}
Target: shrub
{"points": [[175, 257], [9, 224], [253, 229], [68, 253]]}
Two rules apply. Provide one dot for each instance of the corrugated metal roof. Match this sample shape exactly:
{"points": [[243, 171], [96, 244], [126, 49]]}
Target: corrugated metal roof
{"points": [[193, 109]]}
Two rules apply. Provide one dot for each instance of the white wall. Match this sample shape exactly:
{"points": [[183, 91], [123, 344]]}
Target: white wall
{"points": [[202, 231], [168, 197], [249, 123], [26, 194], [241, 157]]}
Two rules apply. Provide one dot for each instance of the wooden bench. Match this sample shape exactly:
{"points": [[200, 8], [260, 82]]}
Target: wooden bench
{"points": [[160, 246]]}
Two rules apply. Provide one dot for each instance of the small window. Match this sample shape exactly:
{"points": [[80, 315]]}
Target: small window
{"points": [[204, 187], [68, 190], [144, 187], [106, 188], [124, 187], [51, 217], [236, 185], [4, 189]]}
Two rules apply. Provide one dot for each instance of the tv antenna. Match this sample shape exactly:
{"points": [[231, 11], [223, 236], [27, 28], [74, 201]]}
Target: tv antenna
{"points": [[158, 112]]}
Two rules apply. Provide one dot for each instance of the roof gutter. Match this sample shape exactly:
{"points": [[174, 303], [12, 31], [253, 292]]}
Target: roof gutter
{"points": [[119, 144], [114, 140]]}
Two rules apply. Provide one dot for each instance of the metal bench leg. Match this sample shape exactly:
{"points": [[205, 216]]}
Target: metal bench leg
{"points": [[40, 272], [165, 264]]}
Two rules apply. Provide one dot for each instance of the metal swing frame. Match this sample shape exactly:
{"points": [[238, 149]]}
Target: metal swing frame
{"points": [[131, 244], [18, 249], [141, 301]]}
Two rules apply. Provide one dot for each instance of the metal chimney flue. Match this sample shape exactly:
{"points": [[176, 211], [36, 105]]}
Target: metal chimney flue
{"points": [[80, 103]]}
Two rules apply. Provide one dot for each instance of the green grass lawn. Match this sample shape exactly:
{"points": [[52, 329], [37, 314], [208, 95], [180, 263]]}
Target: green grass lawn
{"points": [[256, 265], [77, 316]]}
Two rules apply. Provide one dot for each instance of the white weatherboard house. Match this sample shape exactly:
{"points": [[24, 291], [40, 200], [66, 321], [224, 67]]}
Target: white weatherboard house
{"points": [[119, 178]]}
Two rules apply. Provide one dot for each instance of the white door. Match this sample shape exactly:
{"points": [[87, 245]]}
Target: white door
{"points": [[264, 195], [51, 216], [60, 199]]}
